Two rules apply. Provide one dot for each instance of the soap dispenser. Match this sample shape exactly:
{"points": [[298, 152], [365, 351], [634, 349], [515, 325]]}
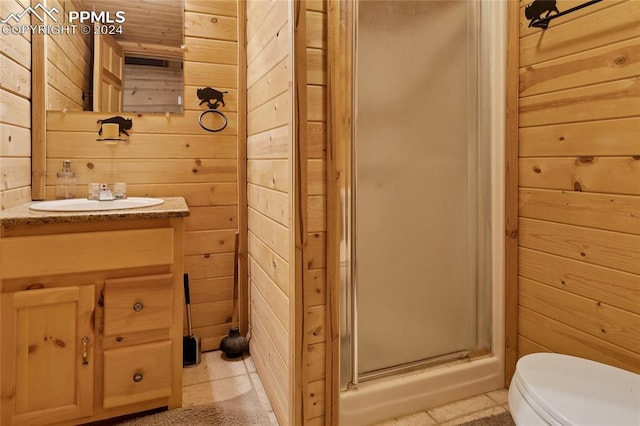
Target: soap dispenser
{"points": [[66, 181]]}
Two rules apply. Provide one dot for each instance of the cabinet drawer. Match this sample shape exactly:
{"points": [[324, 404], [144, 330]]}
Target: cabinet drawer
{"points": [[42, 255], [137, 373], [137, 304]]}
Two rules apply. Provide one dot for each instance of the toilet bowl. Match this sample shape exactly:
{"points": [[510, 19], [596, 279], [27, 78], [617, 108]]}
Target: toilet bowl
{"points": [[556, 389]]}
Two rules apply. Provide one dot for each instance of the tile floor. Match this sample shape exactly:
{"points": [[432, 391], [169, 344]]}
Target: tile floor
{"points": [[458, 412], [216, 379]]}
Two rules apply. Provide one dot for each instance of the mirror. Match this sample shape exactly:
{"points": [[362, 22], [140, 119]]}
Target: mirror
{"points": [[133, 66]]}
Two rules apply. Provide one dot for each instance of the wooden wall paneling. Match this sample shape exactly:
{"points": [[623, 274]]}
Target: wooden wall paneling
{"points": [[278, 300], [270, 55], [272, 174], [275, 266], [609, 62], [274, 204], [316, 362], [562, 338], [15, 111], [270, 85], [274, 341], [15, 77], [72, 145], [609, 286], [526, 346], [611, 175], [14, 141], [566, 5], [267, 375], [186, 124], [274, 113], [270, 144], [315, 399], [276, 17], [598, 319], [242, 210], [269, 198], [257, 12], [511, 193], [201, 25], [604, 248], [593, 30], [220, 7], [601, 101], [299, 213], [210, 241], [211, 51], [579, 196], [590, 138], [270, 232], [603, 211]]}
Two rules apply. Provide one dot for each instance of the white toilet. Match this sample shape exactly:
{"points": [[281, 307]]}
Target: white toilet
{"points": [[556, 389]]}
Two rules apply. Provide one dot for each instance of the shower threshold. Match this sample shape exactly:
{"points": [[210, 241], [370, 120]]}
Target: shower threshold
{"points": [[451, 358]]}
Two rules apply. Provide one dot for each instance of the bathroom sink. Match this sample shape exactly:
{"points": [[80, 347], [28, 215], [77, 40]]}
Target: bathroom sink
{"points": [[85, 205]]}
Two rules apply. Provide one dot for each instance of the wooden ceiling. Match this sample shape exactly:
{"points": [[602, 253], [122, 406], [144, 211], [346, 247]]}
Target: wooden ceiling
{"points": [[155, 22]]}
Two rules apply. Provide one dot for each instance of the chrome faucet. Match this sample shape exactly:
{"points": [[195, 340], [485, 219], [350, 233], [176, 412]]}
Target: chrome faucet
{"points": [[105, 193]]}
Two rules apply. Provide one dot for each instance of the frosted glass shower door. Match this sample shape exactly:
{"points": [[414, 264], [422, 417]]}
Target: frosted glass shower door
{"points": [[415, 223]]}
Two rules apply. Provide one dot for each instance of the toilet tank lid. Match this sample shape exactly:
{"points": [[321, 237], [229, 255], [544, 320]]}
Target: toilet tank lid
{"points": [[577, 391]]}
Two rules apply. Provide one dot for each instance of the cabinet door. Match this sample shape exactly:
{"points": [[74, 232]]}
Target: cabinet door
{"points": [[47, 355]]}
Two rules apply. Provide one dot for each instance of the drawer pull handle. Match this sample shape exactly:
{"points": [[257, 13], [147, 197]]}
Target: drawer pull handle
{"points": [[137, 377], [138, 307], [85, 352]]}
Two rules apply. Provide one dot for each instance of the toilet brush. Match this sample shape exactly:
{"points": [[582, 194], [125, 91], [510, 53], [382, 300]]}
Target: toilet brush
{"points": [[235, 344]]}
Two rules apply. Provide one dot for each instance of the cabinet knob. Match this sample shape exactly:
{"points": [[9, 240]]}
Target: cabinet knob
{"points": [[137, 377], [138, 307]]}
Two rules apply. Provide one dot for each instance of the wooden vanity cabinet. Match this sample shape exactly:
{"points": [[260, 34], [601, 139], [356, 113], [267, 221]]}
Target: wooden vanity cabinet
{"points": [[47, 361], [90, 321]]}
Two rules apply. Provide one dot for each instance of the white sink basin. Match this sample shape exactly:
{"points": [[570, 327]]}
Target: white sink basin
{"points": [[85, 205]]}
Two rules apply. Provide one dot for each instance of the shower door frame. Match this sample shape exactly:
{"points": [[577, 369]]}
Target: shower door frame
{"points": [[339, 141], [349, 347]]}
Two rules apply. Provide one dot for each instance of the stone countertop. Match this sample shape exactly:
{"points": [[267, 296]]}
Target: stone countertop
{"points": [[22, 215]]}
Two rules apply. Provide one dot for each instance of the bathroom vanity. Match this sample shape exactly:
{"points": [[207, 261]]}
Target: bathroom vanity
{"points": [[91, 308]]}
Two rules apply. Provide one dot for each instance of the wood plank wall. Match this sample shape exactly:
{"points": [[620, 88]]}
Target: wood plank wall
{"points": [[269, 195], [173, 156], [579, 191], [314, 296], [153, 88], [69, 65], [15, 112]]}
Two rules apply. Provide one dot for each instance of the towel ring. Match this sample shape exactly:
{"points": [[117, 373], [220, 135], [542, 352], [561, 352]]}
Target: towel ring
{"points": [[224, 118]]}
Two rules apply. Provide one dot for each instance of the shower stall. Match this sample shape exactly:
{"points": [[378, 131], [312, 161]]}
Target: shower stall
{"points": [[422, 207]]}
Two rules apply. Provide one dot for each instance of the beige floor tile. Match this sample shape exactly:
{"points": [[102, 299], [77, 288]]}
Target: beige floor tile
{"points": [[506, 407], [475, 416], [230, 387], [197, 374], [501, 396], [417, 419], [262, 395], [198, 394], [248, 362], [221, 368], [461, 408]]}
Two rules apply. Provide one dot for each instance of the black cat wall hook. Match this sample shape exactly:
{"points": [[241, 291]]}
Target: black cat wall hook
{"points": [[208, 94], [124, 124], [534, 11]]}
